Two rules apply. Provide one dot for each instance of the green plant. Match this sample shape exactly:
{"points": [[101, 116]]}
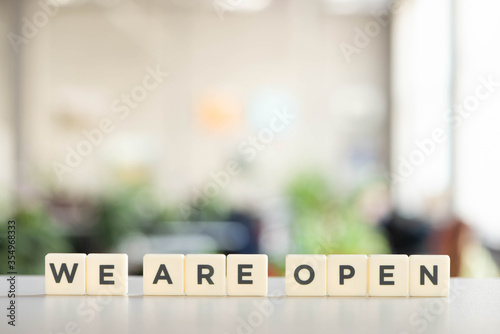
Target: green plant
{"points": [[327, 223], [36, 235], [127, 211], [209, 209]]}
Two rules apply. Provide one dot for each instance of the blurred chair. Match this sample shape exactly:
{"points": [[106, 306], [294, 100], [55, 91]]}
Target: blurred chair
{"points": [[406, 235], [452, 240]]}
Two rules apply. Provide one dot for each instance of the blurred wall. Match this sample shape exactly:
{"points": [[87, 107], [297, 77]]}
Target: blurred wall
{"points": [[228, 72], [7, 73]]}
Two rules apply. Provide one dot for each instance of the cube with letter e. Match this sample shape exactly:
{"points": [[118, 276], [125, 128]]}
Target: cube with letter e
{"points": [[247, 275], [388, 275], [107, 274]]}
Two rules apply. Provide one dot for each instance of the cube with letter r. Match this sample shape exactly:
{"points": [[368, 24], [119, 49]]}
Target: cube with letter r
{"points": [[65, 274], [205, 275]]}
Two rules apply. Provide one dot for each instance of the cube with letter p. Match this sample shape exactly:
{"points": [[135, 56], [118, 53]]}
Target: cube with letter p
{"points": [[347, 275]]}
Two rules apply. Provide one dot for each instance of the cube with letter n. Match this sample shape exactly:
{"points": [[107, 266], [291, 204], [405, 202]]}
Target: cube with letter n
{"points": [[429, 275]]}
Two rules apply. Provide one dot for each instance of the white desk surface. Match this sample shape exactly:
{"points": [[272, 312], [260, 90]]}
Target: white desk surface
{"points": [[473, 307]]}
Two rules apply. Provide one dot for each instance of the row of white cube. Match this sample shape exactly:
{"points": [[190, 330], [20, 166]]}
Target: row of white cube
{"points": [[247, 275], [376, 275]]}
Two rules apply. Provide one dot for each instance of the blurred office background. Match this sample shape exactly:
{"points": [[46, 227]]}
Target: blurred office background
{"points": [[239, 126]]}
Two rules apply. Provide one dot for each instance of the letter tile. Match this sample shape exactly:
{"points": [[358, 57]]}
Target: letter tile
{"points": [[65, 273], [305, 275], [247, 275], [107, 274], [388, 275], [205, 275], [347, 275], [429, 275], [163, 274]]}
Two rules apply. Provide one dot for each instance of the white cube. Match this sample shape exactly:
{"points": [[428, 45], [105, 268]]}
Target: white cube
{"points": [[305, 275], [347, 275], [247, 275], [65, 274], [107, 274], [388, 275], [163, 274], [205, 274], [429, 275]]}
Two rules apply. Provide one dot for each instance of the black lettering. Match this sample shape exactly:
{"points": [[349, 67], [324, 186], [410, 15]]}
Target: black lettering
{"points": [[383, 275], [102, 274], [208, 276], [311, 274], [64, 270], [241, 273], [424, 272], [162, 274], [343, 276]]}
